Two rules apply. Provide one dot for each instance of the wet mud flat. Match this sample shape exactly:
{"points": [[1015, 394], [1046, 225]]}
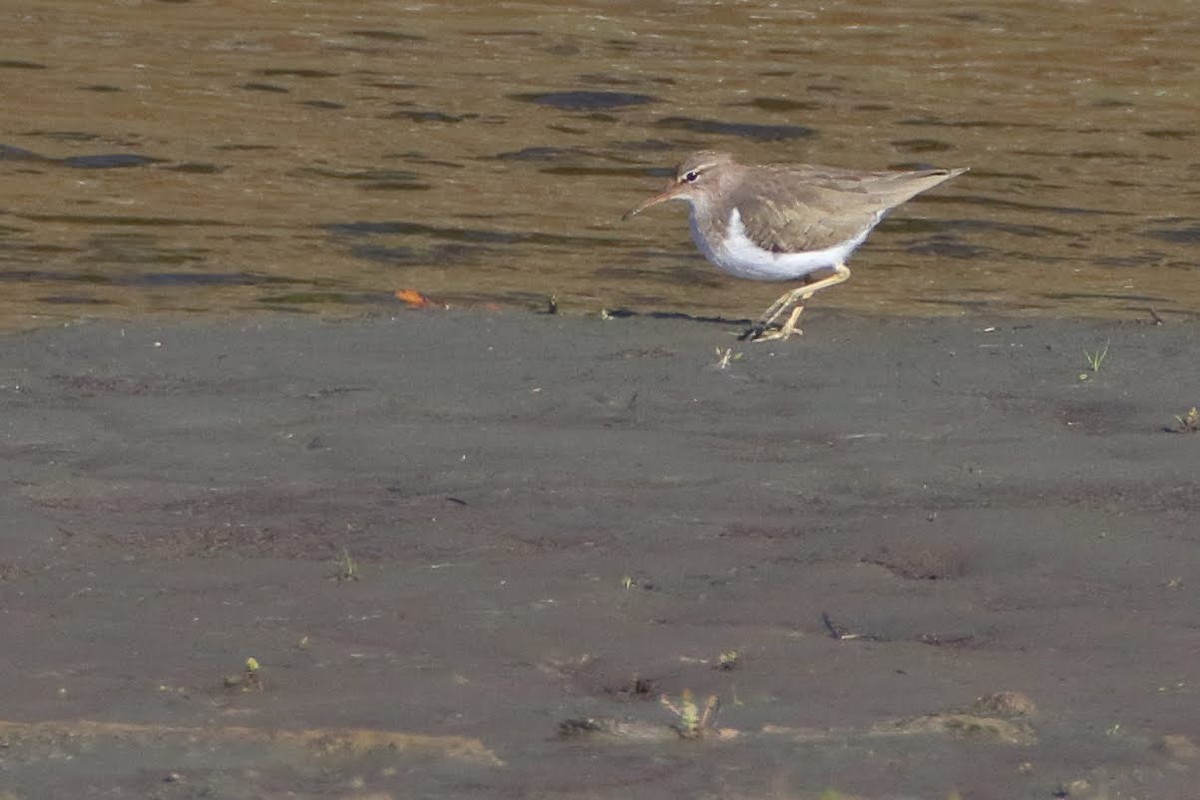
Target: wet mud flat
{"points": [[509, 555]]}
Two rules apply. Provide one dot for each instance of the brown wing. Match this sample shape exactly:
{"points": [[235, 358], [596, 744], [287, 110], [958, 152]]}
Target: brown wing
{"points": [[812, 208]]}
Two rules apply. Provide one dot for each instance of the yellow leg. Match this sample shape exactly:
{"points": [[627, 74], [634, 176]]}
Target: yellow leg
{"points": [[800, 296], [788, 328]]}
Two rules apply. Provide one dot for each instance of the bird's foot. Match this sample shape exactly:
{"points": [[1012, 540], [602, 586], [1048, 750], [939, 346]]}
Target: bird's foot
{"points": [[778, 334], [761, 333], [753, 332]]}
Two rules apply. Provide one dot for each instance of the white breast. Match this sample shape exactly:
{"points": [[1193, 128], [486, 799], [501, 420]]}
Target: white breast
{"points": [[740, 257]]}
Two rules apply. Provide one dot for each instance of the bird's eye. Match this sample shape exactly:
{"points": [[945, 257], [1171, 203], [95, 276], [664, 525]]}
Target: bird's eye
{"points": [[691, 176]]}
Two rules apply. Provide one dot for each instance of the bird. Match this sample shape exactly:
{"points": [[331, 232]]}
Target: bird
{"points": [[785, 222]]}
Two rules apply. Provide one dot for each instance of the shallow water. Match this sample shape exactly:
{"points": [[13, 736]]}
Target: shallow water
{"points": [[196, 156]]}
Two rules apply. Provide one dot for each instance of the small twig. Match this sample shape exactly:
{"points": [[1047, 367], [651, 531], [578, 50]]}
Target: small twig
{"points": [[837, 632]]}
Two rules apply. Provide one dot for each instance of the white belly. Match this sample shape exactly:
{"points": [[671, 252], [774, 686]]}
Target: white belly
{"points": [[742, 258]]}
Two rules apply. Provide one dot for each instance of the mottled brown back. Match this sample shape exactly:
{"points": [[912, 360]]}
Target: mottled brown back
{"points": [[805, 208]]}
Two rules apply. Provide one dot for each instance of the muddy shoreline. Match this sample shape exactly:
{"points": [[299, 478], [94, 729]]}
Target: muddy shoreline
{"points": [[444, 535]]}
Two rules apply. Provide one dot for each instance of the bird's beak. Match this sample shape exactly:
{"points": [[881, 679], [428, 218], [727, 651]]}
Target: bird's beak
{"points": [[672, 191]]}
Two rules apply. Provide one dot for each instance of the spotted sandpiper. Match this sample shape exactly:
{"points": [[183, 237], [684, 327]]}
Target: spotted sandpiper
{"points": [[785, 222]]}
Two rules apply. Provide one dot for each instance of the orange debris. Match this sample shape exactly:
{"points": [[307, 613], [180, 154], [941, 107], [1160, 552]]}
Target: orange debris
{"points": [[412, 298]]}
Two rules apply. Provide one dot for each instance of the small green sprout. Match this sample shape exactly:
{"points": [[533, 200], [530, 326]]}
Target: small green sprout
{"points": [[347, 568], [694, 722], [724, 356], [1094, 360], [248, 680], [729, 660]]}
